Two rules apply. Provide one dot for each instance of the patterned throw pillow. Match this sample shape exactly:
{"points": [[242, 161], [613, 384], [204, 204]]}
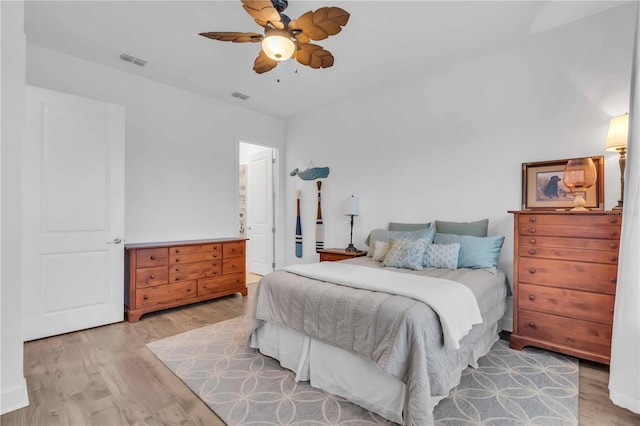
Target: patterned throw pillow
{"points": [[442, 256], [407, 254], [380, 250]]}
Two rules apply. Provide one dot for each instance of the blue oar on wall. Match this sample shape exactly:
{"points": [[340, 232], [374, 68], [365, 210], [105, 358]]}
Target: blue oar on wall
{"points": [[298, 226]]}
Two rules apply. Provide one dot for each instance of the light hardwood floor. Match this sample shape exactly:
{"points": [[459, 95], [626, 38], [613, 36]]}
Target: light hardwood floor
{"points": [[106, 376]]}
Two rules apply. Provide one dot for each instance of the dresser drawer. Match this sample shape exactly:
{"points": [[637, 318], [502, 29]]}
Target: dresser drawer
{"points": [[201, 256], [195, 248], [605, 231], [578, 334], [570, 219], [579, 243], [567, 303], [233, 265], [221, 284], [151, 276], [233, 249], [593, 277], [148, 258], [562, 253], [165, 294], [192, 271]]}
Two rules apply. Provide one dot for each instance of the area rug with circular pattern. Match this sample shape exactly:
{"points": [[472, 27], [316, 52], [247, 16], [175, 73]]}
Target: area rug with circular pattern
{"points": [[244, 387]]}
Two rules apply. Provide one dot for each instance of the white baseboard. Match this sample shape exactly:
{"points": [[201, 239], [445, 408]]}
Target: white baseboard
{"points": [[14, 398]]}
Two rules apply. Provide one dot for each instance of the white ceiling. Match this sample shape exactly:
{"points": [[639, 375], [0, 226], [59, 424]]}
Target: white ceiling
{"points": [[383, 42]]}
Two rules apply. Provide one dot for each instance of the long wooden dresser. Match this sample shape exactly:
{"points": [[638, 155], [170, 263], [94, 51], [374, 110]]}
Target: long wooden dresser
{"points": [[565, 273], [169, 274]]}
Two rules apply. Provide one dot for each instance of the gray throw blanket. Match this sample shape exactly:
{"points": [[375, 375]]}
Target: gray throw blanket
{"points": [[402, 336]]}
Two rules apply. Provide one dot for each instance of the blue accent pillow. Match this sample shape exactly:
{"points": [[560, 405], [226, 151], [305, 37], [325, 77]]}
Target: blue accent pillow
{"points": [[475, 252], [384, 235], [442, 256], [407, 254]]}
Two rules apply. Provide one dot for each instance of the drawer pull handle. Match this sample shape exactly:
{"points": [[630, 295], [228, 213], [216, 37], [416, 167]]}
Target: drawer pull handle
{"points": [[205, 286], [215, 255], [177, 277], [177, 269], [613, 258], [153, 258], [233, 265], [189, 289], [145, 297], [532, 324], [532, 251], [613, 234], [233, 250], [613, 220], [177, 259], [612, 279], [152, 276], [532, 219], [532, 297], [532, 270], [215, 272], [532, 241], [177, 250], [532, 230], [613, 245], [611, 310]]}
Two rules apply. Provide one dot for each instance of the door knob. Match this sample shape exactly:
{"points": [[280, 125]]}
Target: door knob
{"points": [[115, 241]]}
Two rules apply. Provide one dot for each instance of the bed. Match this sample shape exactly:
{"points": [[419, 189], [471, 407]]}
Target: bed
{"points": [[384, 351]]}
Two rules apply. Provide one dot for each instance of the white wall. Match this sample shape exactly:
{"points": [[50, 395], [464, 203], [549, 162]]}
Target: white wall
{"points": [[181, 147], [13, 387], [449, 144]]}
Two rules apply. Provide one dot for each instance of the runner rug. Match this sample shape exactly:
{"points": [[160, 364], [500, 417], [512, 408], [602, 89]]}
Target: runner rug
{"points": [[244, 387]]}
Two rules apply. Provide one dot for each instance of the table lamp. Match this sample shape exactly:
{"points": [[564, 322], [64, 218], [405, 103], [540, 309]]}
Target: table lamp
{"points": [[352, 208], [617, 141]]}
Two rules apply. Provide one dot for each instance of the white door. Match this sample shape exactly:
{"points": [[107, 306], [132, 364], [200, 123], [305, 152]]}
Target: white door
{"points": [[260, 226], [73, 204]]}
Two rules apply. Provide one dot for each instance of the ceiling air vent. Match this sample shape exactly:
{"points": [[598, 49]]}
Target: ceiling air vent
{"points": [[133, 60], [240, 96]]}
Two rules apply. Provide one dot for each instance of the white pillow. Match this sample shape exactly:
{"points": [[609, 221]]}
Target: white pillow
{"points": [[442, 256], [380, 250]]}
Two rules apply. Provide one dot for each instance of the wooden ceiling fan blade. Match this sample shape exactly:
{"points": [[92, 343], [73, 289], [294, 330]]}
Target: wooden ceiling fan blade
{"points": [[263, 12], [319, 24], [263, 63], [234, 37], [314, 56]]}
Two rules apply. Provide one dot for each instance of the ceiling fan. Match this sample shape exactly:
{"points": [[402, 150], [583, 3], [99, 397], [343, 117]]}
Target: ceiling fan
{"points": [[285, 38]]}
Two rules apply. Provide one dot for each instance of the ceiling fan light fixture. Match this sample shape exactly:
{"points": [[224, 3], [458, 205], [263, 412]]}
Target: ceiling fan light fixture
{"points": [[278, 45]]}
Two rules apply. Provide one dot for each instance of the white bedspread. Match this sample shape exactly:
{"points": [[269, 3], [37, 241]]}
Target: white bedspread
{"points": [[454, 303]]}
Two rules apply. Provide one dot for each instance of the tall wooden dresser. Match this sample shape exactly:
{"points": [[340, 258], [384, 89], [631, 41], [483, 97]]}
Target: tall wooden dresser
{"points": [[565, 272], [169, 274]]}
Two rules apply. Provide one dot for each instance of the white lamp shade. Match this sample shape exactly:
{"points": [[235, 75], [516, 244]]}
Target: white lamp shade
{"points": [[352, 208], [618, 132], [278, 45]]}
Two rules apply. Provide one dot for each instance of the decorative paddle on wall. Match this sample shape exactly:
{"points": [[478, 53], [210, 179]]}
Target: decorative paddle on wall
{"points": [[319, 224], [285, 38], [298, 226]]}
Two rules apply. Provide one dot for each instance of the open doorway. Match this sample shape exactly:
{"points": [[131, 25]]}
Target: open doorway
{"points": [[257, 194]]}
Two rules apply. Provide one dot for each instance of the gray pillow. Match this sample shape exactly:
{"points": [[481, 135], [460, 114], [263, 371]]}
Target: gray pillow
{"points": [[397, 226], [475, 229]]}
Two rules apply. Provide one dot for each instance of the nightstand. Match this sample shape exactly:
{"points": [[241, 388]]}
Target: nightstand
{"points": [[335, 254]]}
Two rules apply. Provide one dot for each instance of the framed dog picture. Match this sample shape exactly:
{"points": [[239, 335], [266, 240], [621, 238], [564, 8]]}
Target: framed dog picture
{"points": [[542, 187]]}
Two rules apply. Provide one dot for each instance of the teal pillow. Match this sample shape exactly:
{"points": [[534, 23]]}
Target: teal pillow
{"points": [[384, 235], [406, 254], [397, 226], [475, 252], [477, 228]]}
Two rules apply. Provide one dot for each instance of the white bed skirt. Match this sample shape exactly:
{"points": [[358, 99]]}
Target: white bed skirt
{"points": [[343, 373]]}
